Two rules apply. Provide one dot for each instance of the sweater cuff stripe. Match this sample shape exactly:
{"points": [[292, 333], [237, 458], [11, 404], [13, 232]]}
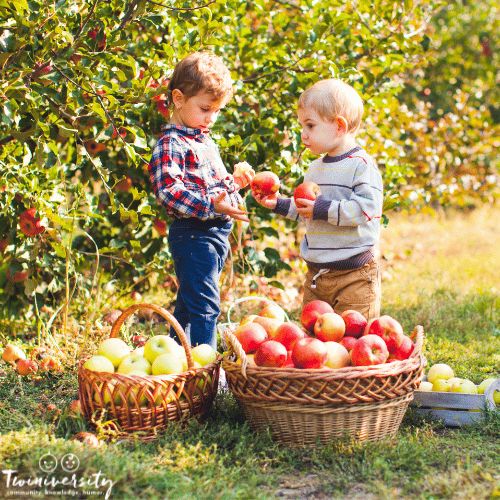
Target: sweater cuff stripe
{"points": [[282, 206], [321, 208]]}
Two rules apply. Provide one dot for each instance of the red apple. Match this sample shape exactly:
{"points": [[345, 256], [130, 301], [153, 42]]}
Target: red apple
{"points": [[26, 367], [15, 274], [288, 333], [404, 350], [93, 147], [355, 323], [30, 224], [369, 350], [270, 353], [289, 360], [4, 243], [160, 226], [50, 364], [88, 439], [76, 408], [312, 311], [348, 342], [163, 109], [250, 336], [306, 191], [124, 185], [94, 34], [309, 353], [329, 327], [265, 183], [269, 324], [389, 329]]}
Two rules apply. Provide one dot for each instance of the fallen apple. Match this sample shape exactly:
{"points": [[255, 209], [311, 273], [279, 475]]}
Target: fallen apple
{"points": [[26, 367], [12, 353]]}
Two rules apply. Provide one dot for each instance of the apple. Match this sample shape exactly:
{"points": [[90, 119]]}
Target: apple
{"points": [[50, 363], [111, 315], [160, 344], [425, 386], [465, 387], [88, 439], [289, 360], [164, 394], [137, 389], [93, 34], [15, 274], [133, 363], [124, 185], [309, 353], [312, 311], [441, 385], [93, 147], [30, 224], [162, 107], [307, 191], [439, 371], [329, 327], [136, 296], [4, 243], [76, 408], [484, 385], [271, 353], [138, 340], [167, 364], [109, 391], [250, 336], [12, 353], [115, 349], [269, 324], [160, 226], [348, 342], [204, 354], [454, 380], [338, 355], [389, 329], [369, 350], [99, 364], [355, 323], [404, 350], [274, 311], [265, 183], [247, 319], [26, 367], [288, 333]]}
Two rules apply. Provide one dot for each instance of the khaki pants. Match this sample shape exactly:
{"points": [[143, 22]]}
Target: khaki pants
{"points": [[358, 289]]}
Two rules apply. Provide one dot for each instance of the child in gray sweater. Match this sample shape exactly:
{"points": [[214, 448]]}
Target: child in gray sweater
{"points": [[343, 223]]}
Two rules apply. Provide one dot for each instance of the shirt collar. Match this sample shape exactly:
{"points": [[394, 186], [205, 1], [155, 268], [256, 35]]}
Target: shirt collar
{"points": [[186, 130], [332, 159]]}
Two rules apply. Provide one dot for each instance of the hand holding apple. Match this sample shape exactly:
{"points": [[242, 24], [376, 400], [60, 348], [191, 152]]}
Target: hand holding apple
{"points": [[224, 207]]}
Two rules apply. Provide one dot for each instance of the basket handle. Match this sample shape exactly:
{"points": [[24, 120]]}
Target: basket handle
{"points": [[234, 346], [115, 329], [253, 297]]}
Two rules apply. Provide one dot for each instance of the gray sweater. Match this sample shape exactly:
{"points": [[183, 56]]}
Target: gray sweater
{"points": [[346, 217]]}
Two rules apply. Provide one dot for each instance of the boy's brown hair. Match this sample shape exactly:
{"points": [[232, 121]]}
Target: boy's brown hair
{"points": [[333, 98], [201, 71]]}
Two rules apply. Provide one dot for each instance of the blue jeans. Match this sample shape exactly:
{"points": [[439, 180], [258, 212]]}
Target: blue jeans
{"points": [[199, 250]]}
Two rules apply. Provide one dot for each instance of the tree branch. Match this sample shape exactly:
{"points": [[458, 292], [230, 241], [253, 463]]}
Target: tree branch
{"points": [[181, 8]]}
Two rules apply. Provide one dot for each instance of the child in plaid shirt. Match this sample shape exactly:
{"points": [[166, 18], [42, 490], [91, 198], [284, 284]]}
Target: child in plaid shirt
{"points": [[191, 182]]}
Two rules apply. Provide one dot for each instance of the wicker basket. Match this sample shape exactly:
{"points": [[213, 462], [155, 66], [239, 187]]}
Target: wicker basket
{"points": [[304, 407], [144, 405]]}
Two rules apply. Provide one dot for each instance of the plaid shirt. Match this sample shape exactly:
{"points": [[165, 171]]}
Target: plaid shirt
{"points": [[187, 172]]}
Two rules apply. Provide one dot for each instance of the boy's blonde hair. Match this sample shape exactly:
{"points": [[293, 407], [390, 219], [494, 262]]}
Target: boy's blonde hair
{"points": [[201, 71], [333, 98]]}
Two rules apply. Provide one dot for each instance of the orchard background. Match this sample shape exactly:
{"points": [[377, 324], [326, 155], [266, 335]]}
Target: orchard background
{"points": [[82, 86]]}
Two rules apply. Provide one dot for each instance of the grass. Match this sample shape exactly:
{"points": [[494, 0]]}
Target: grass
{"points": [[441, 273]]}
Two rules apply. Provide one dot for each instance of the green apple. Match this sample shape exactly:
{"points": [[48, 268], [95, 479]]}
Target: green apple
{"points": [[99, 364], [108, 392], [465, 387], [116, 350], [133, 393], [160, 344], [204, 354], [454, 380], [201, 383], [482, 388], [439, 371], [164, 394], [167, 364], [441, 385], [134, 362], [425, 386]]}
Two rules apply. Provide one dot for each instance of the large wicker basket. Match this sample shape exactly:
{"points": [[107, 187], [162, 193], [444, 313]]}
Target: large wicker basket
{"points": [[144, 405], [306, 407]]}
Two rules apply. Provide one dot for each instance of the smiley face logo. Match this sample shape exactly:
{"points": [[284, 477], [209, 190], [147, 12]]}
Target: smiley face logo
{"points": [[70, 462], [48, 462]]}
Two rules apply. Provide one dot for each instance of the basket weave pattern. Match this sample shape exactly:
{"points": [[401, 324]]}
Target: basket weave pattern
{"points": [[146, 404], [302, 406]]}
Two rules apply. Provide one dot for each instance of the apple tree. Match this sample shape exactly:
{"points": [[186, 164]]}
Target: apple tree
{"points": [[82, 93]]}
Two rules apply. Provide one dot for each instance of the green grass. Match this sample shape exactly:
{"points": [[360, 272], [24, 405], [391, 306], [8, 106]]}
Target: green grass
{"points": [[434, 277]]}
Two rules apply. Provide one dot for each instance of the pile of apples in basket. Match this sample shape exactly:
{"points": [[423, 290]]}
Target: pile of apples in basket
{"points": [[326, 340]]}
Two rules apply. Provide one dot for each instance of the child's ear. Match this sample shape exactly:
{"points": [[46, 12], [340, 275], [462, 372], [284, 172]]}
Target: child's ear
{"points": [[342, 124], [177, 98]]}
